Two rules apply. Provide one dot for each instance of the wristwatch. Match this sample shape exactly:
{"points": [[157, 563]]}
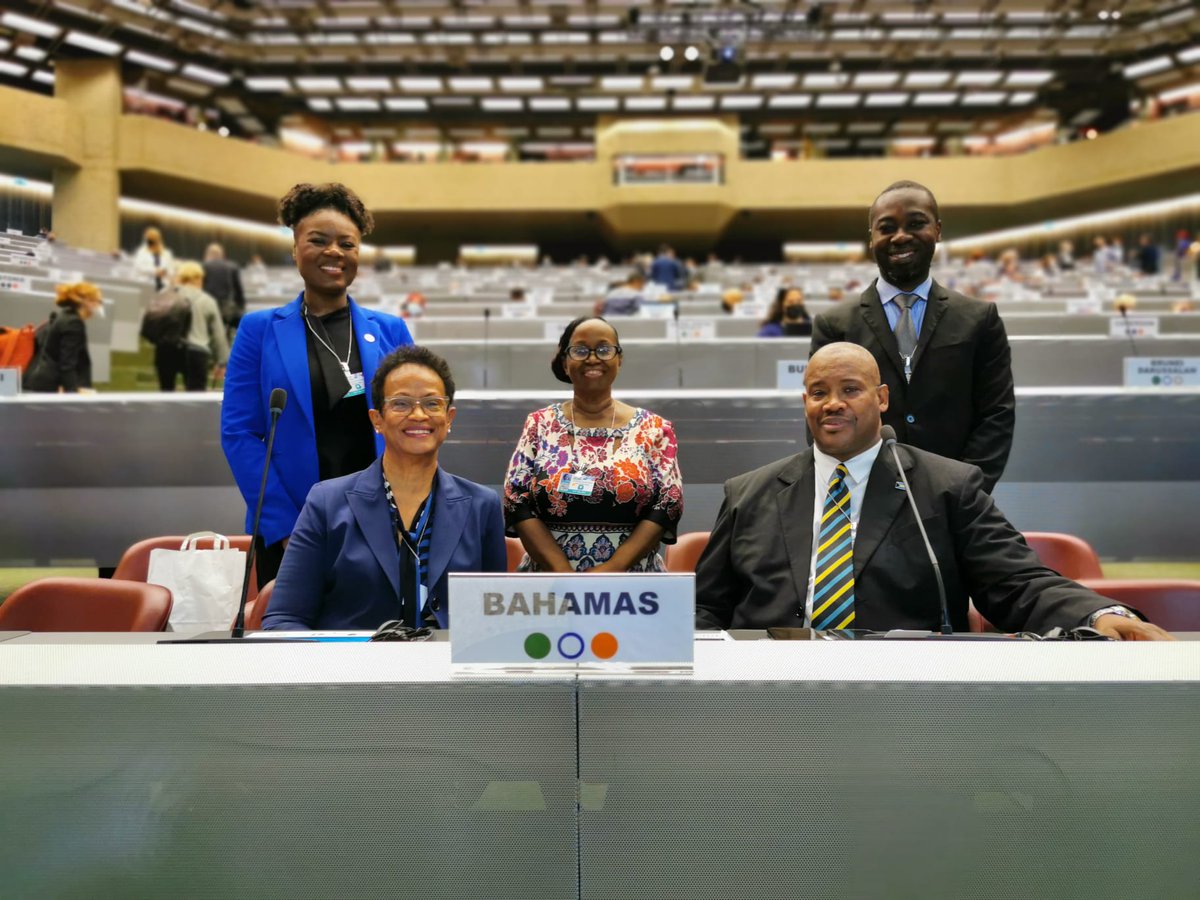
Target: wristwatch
{"points": [[1123, 611]]}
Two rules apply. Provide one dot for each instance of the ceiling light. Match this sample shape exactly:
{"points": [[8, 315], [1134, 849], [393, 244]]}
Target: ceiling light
{"points": [[30, 26], [935, 98], [824, 80], [1148, 67], [691, 53], [1028, 78], [978, 79], [876, 79], [420, 85], [470, 85], [320, 104], [597, 104], [839, 101], [519, 85], [502, 104], [12, 69], [790, 101], [33, 54], [666, 54], [621, 83], [984, 98], [318, 84], [405, 104], [886, 99], [926, 79], [549, 104], [772, 81], [208, 76], [741, 101], [357, 104], [151, 61], [95, 44], [369, 84], [693, 102], [43, 76], [1020, 98], [645, 104], [671, 82], [1189, 56]]}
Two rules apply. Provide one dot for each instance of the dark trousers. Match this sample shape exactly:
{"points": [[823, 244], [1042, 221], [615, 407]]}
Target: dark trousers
{"points": [[266, 561], [191, 362]]}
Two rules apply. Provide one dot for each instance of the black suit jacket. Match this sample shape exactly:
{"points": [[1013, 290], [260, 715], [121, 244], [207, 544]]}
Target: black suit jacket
{"points": [[754, 572], [960, 401]]}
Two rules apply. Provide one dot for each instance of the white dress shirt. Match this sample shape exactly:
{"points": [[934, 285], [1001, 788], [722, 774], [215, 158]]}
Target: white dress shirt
{"points": [[859, 468]]}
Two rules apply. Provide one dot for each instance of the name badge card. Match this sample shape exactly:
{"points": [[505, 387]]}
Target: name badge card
{"points": [[548, 619]]}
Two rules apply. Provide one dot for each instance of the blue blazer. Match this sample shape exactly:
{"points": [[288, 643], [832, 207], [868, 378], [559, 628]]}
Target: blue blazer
{"points": [[271, 351], [341, 569]]}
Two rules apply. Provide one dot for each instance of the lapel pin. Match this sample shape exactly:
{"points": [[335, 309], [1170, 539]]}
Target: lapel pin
{"points": [[369, 338], [899, 485]]}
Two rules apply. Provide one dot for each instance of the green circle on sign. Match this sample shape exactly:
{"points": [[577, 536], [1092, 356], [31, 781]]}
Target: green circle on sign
{"points": [[537, 645], [1156, 380]]}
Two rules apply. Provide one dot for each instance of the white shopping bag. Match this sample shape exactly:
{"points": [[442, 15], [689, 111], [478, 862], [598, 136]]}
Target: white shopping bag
{"points": [[206, 584]]}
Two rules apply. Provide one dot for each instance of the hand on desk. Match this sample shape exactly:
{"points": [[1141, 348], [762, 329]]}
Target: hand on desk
{"points": [[1123, 628]]}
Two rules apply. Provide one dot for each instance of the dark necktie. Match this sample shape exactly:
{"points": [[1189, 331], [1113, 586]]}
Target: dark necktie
{"points": [[833, 586], [906, 332]]}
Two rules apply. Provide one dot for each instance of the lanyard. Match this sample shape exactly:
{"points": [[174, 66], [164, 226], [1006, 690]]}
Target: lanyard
{"points": [[320, 340], [410, 594]]}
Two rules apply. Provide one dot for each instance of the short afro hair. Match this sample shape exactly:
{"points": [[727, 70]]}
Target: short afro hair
{"points": [[410, 354], [907, 186], [306, 199]]}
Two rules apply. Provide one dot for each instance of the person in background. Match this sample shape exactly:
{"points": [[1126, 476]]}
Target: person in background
{"points": [[594, 483], [944, 356], [205, 345], [378, 544], [1149, 255], [223, 283], [788, 316], [153, 260], [62, 361], [323, 349], [625, 299], [666, 270], [824, 539], [1066, 256]]}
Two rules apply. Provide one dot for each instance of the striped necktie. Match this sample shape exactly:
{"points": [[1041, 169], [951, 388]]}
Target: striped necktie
{"points": [[833, 587]]}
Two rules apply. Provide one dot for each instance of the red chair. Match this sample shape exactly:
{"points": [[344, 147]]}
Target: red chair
{"points": [[1069, 556], [257, 608], [1170, 603], [135, 562], [86, 604], [683, 555], [516, 552]]}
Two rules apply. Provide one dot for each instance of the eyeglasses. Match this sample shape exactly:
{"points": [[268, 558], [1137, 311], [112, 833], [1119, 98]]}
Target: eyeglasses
{"points": [[406, 406], [604, 352]]}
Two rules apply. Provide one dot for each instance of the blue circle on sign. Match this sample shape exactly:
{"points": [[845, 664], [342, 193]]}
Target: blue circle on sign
{"points": [[910, 418], [578, 653]]}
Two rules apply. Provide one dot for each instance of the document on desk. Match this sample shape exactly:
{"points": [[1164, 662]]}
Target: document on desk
{"points": [[320, 637], [713, 636]]}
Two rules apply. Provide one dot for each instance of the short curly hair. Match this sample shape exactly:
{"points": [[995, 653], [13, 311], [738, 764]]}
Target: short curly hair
{"points": [[411, 354], [306, 199]]}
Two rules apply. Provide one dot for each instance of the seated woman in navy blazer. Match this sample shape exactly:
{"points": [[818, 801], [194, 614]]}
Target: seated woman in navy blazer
{"points": [[378, 544]]}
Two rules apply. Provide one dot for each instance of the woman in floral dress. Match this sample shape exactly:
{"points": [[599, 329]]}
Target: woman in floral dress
{"points": [[594, 484]]}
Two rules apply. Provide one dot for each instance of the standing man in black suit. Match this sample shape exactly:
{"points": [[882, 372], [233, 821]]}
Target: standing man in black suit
{"points": [[944, 356], [866, 567], [223, 283]]}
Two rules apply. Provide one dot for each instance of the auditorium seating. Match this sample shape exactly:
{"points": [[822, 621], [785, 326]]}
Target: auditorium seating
{"points": [[257, 607], [1173, 604], [515, 551], [135, 562], [683, 555], [86, 604], [1068, 555]]}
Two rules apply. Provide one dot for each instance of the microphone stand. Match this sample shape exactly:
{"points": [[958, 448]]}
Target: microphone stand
{"points": [[1124, 311], [487, 321]]}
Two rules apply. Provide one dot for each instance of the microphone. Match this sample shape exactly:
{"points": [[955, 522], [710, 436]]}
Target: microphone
{"points": [[278, 402], [1124, 311], [487, 321], [678, 348], [888, 433]]}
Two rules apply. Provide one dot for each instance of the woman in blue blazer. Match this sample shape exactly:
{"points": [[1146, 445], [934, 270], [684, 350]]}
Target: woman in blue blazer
{"points": [[378, 544], [323, 349]]}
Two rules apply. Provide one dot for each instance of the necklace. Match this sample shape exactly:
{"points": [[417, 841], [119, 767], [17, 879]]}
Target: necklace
{"points": [[611, 426], [349, 346]]}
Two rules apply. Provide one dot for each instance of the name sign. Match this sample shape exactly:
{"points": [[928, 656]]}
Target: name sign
{"points": [[19, 259], [564, 619], [15, 282], [696, 330], [10, 382], [1133, 326], [1086, 306], [789, 374], [1157, 372]]}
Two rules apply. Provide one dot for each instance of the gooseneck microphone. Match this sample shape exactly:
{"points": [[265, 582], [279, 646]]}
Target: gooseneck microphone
{"points": [[487, 321], [278, 402], [888, 433], [1124, 311]]}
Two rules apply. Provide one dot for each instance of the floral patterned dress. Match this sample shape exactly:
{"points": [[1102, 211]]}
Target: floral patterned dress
{"points": [[636, 476]]}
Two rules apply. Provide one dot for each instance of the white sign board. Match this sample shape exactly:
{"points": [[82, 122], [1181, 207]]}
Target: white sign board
{"points": [[518, 311], [1085, 306], [15, 282], [696, 329], [1133, 326], [552, 329], [564, 619], [789, 374], [10, 382], [20, 259], [64, 276], [1158, 372]]}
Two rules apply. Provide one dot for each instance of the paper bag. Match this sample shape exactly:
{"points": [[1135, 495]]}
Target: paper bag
{"points": [[206, 584]]}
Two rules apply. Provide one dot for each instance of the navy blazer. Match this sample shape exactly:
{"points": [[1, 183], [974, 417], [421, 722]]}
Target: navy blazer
{"points": [[271, 351], [341, 569]]}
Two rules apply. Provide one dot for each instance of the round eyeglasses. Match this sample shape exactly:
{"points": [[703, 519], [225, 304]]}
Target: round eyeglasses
{"points": [[604, 352], [406, 406]]}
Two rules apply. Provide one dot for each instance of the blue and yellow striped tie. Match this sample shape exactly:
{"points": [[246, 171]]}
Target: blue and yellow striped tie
{"points": [[833, 587]]}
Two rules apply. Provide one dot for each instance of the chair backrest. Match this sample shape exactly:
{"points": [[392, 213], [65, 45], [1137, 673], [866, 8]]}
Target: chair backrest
{"points": [[256, 608], [135, 562], [683, 555], [86, 604], [516, 552], [1068, 555], [1170, 603]]}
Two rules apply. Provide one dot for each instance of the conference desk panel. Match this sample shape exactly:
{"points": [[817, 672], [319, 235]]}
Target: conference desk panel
{"points": [[91, 475], [824, 770]]}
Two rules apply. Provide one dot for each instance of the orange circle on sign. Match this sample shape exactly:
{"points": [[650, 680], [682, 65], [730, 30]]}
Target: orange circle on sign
{"points": [[604, 645]]}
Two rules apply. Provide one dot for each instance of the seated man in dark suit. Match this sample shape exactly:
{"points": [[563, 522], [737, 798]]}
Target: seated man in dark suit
{"points": [[867, 567]]}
